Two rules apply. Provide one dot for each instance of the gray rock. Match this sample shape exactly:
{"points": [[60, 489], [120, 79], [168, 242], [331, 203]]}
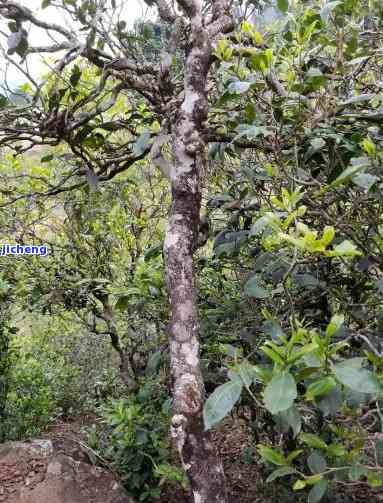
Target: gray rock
{"points": [[57, 471]]}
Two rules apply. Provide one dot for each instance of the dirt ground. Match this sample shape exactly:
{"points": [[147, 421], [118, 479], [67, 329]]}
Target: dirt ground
{"points": [[244, 472]]}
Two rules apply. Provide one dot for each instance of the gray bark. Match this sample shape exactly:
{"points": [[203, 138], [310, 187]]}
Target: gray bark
{"points": [[194, 445]]}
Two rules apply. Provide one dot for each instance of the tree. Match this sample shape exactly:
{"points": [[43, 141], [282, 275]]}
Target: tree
{"points": [[304, 121], [172, 98]]}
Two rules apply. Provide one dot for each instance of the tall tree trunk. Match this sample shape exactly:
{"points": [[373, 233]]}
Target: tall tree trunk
{"points": [[194, 445], [4, 370]]}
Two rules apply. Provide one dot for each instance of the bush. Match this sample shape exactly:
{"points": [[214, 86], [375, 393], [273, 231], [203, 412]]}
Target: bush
{"points": [[134, 439]]}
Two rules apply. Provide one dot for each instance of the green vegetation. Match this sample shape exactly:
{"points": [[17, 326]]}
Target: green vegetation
{"points": [[213, 256]]}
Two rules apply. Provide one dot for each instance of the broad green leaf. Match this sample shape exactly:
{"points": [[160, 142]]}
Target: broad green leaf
{"points": [[142, 143], [290, 418], [375, 479], [335, 324], [247, 373], [18, 42], [316, 462], [379, 451], [290, 458], [328, 8], [365, 180], [313, 441], [368, 146], [317, 492], [273, 329], [356, 472], [320, 387], [152, 252], [358, 379], [344, 249], [251, 131], [253, 289], [280, 472], [75, 76], [357, 165], [357, 99], [221, 402], [271, 455], [154, 363], [273, 355], [3, 101], [297, 355], [238, 87], [263, 222], [336, 450], [317, 144], [283, 5], [122, 303], [280, 393], [299, 484], [227, 248]]}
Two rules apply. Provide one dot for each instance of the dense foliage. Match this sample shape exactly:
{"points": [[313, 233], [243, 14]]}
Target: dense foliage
{"points": [[288, 263]]}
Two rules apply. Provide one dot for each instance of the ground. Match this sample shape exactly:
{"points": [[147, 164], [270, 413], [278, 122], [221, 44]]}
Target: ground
{"points": [[235, 445]]}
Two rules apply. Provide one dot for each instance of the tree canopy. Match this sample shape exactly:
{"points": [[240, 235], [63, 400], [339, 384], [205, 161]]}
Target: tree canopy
{"points": [[208, 182]]}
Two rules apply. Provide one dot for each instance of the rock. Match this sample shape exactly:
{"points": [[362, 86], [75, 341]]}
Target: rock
{"points": [[54, 471]]}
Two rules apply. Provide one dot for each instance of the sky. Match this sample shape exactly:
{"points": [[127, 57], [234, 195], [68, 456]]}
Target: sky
{"points": [[132, 10]]}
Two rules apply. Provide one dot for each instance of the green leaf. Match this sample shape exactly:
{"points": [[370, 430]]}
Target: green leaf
{"points": [[328, 8], [271, 455], [332, 402], [280, 472], [3, 101], [46, 158], [273, 329], [357, 164], [317, 492], [280, 393], [252, 289], [356, 472], [375, 479], [273, 355], [358, 379], [262, 223], [122, 303], [320, 387], [344, 249], [313, 441], [335, 324], [248, 373], [365, 180], [221, 402], [152, 252], [357, 99], [290, 418], [154, 363], [296, 355], [251, 131], [299, 484], [283, 5], [238, 87], [379, 451], [18, 42], [290, 458], [75, 75], [316, 462], [142, 143], [336, 450], [45, 4]]}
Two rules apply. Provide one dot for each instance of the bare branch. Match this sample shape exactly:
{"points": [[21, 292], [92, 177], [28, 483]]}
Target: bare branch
{"points": [[13, 10]]}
